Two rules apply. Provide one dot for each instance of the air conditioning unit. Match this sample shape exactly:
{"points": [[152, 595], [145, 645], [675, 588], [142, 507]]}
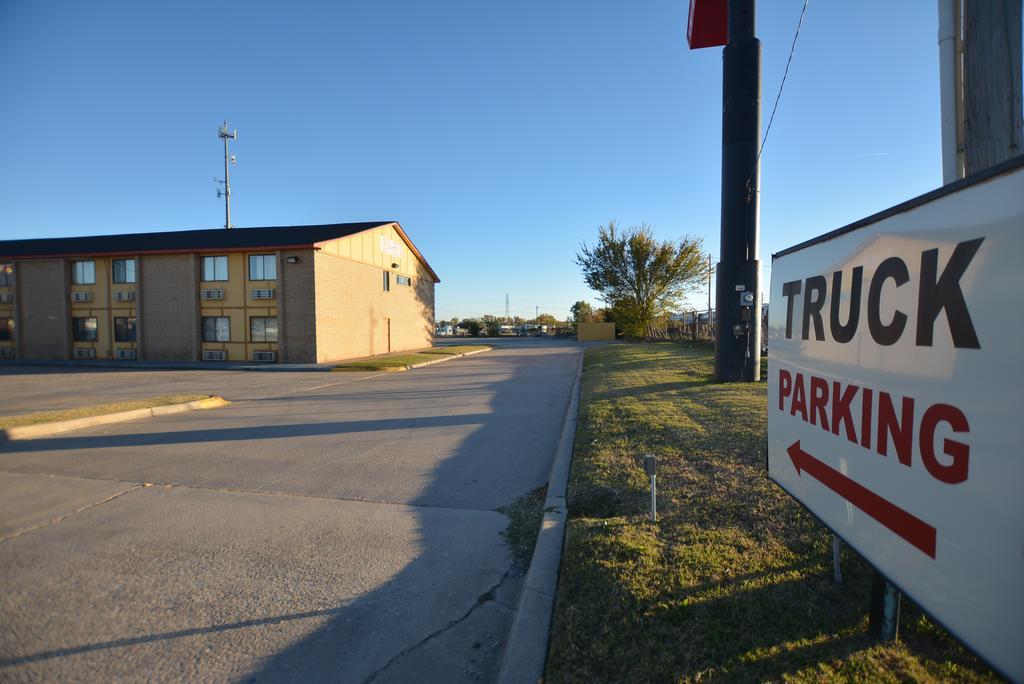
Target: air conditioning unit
{"points": [[6, 297], [6, 353], [124, 296], [84, 353], [263, 356], [212, 294], [128, 354], [215, 355], [263, 293], [81, 296]]}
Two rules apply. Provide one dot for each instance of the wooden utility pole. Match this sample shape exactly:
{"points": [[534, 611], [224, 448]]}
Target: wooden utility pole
{"points": [[992, 83]]}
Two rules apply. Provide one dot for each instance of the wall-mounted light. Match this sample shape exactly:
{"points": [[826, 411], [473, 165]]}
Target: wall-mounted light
{"points": [[394, 265], [292, 259]]}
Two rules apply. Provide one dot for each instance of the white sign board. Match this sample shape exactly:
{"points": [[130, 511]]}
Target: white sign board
{"points": [[895, 398], [390, 246]]}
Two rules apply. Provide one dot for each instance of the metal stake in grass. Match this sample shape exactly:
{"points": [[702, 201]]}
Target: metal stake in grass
{"points": [[651, 466], [837, 572]]}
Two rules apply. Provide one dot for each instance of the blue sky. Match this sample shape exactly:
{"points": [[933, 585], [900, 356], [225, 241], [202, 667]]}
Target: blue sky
{"points": [[500, 135]]}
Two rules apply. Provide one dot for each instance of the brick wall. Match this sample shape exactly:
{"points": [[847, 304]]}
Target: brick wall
{"points": [[43, 328], [169, 311], [356, 317], [297, 308]]}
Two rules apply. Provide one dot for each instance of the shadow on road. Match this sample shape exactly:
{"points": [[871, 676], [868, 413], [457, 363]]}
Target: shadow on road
{"points": [[445, 614]]}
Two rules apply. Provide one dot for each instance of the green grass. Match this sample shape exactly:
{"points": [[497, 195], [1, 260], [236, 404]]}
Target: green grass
{"points": [[525, 515], [455, 349], [734, 582], [96, 410], [391, 362], [402, 360]]}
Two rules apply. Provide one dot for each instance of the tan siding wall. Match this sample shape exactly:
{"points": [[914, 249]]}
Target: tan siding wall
{"points": [[592, 332], [170, 320], [353, 311], [43, 331], [298, 308]]}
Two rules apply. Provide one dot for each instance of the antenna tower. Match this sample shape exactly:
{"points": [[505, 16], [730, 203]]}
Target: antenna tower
{"points": [[229, 159], [508, 319]]}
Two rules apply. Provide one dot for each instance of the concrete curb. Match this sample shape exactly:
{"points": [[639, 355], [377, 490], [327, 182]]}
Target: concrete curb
{"points": [[421, 364], [526, 649], [46, 429]]}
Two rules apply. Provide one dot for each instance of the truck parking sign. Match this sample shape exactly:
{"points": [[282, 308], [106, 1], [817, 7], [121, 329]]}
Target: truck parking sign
{"points": [[895, 399]]}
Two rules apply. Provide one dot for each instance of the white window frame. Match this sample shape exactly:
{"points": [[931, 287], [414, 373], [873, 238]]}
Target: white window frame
{"points": [[263, 321], [129, 272], [260, 273], [215, 262], [83, 272], [95, 328], [217, 329]]}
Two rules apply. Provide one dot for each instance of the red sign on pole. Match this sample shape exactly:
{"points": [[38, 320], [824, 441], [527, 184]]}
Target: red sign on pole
{"points": [[709, 23]]}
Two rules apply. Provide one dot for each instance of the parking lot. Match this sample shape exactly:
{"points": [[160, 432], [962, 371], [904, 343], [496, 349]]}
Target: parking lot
{"points": [[324, 526]]}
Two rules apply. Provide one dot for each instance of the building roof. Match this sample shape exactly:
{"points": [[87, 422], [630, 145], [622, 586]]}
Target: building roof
{"points": [[213, 239]]}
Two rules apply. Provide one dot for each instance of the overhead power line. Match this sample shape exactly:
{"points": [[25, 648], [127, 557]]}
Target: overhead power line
{"points": [[778, 96]]}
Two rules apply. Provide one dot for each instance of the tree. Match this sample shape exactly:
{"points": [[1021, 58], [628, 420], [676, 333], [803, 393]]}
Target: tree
{"points": [[472, 327], [492, 325], [582, 312], [640, 279], [546, 319], [455, 322]]}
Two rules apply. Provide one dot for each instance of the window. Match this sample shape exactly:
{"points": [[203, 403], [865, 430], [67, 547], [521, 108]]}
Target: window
{"points": [[387, 281], [403, 280], [216, 329], [6, 275], [83, 272], [6, 329], [215, 268], [262, 267], [124, 270], [124, 329], [263, 329], [84, 328]]}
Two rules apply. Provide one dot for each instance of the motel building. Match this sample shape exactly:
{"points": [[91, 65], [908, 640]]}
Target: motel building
{"points": [[302, 294]]}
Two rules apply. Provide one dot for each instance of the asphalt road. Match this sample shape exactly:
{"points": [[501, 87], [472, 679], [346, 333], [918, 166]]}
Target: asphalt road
{"points": [[342, 532], [28, 389]]}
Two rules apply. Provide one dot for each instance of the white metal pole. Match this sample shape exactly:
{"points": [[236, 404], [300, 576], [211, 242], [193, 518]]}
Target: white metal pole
{"points": [[949, 89], [227, 184]]}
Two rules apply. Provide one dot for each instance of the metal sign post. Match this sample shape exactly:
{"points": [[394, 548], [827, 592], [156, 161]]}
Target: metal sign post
{"points": [[884, 614]]}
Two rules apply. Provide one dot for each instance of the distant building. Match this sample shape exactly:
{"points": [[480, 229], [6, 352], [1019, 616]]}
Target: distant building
{"points": [[302, 294]]}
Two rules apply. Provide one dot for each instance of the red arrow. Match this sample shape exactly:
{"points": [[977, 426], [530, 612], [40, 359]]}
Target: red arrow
{"points": [[913, 529]]}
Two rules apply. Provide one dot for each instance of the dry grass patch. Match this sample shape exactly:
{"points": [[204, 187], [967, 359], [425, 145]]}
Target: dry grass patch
{"points": [[734, 581]]}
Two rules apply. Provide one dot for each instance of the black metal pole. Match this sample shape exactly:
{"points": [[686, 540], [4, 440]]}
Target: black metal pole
{"points": [[738, 318]]}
